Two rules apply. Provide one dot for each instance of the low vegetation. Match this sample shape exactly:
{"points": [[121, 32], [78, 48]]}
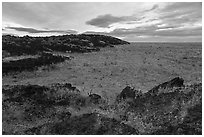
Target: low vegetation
{"points": [[43, 47], [30, 64], [15, 46], [61, 109]]}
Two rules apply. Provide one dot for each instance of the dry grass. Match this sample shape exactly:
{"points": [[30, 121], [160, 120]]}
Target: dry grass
{"points": [[106, 73], [112, 69]]}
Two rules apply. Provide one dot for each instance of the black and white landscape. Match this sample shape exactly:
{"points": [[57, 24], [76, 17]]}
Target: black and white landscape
{"points": [[101, 68]]}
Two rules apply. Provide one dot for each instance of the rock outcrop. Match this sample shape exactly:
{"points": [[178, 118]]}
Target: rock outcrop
{"points": [[94, 98], [176, 82], [128, 93], [166, 113]]}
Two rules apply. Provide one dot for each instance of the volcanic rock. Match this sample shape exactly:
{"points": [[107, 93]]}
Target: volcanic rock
{"points": [[176, 82], [95, 98]]}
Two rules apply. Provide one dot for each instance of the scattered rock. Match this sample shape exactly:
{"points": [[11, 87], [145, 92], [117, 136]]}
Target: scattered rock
{"points": [[176, 82], [129, 92], [64, 116], [95, 98], [64, 86]]}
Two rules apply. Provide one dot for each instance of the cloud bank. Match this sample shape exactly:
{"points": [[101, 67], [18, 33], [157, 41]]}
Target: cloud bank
{"points": [[177, 21], [32, 30], [172, 20], [106, 20]]}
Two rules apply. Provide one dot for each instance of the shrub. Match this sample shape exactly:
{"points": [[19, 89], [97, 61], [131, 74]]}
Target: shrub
{"points": [[30, 64]]}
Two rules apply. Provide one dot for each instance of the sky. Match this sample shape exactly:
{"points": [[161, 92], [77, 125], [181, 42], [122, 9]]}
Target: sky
{"points": [[131, 21]]}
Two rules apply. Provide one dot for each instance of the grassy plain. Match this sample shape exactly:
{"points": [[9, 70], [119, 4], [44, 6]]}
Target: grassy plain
{"points": [[43, 102], [141, 65]]}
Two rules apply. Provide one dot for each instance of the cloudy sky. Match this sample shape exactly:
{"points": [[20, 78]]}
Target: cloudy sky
{"points": [[163, 22]]}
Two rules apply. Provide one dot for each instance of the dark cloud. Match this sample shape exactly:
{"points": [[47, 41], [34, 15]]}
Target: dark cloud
{"points": [[32, 30], [105, 21]]}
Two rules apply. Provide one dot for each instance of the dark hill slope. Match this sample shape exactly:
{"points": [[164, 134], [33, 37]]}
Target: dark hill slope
{"points": [[13, 45]]}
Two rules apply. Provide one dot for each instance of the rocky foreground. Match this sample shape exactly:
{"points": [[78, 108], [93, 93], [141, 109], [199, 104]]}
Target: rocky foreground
{"points": [[170, 108]]}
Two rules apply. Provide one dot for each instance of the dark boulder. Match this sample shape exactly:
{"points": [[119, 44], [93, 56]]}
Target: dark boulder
{"points": [[94, 98], [176, 82], [129, 93], [69, 86]]}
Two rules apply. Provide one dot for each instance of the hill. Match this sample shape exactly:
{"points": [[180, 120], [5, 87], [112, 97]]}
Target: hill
{"points": [[29, 53], [14, 45]]}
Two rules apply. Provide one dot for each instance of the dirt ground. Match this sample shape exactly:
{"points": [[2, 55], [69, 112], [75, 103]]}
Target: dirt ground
{"points": [[107, 72]]}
